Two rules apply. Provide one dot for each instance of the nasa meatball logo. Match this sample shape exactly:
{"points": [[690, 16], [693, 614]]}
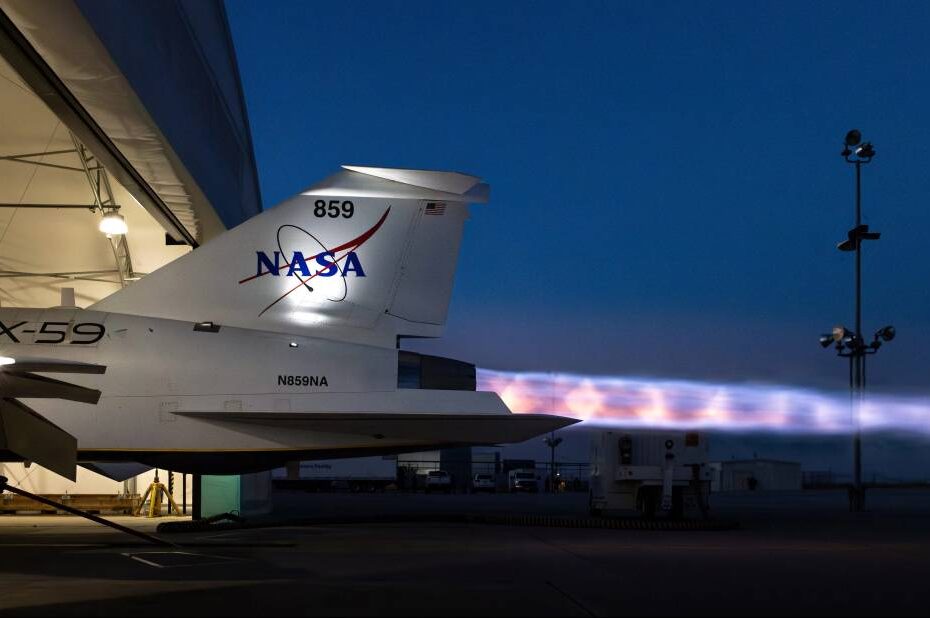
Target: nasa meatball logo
{"points": [[302, 256]]}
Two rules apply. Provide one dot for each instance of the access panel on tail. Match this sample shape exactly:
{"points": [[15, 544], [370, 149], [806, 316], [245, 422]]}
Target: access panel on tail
{"points": [[365, 255]]}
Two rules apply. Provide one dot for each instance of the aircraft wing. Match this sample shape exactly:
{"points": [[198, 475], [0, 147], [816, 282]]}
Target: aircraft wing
{"points": [[464, 428]]}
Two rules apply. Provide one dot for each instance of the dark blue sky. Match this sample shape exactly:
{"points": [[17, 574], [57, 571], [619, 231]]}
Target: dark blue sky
{"points": [[667, 189]]}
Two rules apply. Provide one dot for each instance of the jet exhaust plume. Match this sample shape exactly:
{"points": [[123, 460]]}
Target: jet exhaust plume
{"points": [[654, 403]]}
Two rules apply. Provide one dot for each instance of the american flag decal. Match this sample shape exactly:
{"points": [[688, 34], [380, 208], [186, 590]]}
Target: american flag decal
{"points": [[435, 208]]}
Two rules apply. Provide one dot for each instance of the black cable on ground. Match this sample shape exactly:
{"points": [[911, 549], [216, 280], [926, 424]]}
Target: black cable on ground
{"points": [[4, 486], [223, 521]]}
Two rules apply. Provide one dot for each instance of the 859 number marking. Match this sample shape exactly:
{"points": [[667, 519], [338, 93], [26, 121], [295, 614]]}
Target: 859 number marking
{"points": [[333, 209], [82, 333]]}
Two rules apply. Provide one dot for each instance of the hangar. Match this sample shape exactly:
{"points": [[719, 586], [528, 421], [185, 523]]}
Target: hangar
{"points": [[103, 178]]}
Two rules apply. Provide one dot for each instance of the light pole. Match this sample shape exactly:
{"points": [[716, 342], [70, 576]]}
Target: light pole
{"points": [[850, 343], [552, 442]]}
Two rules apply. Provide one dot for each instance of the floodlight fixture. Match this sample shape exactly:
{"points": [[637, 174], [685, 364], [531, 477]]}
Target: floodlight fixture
{"points": [[855, 236], [866, 151], [847, 245], [113, 224], [853, 137], [886, 333], [841, 333]]}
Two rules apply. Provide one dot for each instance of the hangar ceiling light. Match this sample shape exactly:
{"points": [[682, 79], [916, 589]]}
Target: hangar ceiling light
{"points": [[113, 224]]}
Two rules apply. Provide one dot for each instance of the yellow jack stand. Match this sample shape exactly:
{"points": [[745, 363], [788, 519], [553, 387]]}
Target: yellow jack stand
{"points": [[156, 490]]}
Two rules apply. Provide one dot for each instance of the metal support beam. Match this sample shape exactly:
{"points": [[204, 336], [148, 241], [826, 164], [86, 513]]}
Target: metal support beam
{"points": [[104, 199], [29, 157], [96, 177], [90, 207], [120, 248], [73, 273], [81, 275]]}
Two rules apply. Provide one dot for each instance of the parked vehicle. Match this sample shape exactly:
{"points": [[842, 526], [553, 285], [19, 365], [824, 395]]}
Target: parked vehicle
{"points": [[483, 482], [438, 480], [523, 480]]}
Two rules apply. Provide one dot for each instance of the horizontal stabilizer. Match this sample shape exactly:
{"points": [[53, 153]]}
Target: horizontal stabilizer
{"points": [[432, 428]]}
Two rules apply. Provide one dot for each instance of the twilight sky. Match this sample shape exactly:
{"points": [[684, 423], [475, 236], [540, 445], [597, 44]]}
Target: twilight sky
{"points": [[667, 189]]}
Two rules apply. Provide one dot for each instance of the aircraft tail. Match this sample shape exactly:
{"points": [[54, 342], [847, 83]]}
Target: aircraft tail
{"points": [[367, 251]]}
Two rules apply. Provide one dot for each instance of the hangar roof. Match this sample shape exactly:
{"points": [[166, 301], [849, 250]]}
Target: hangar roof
{"points": [[175, 159], [185, 156]]}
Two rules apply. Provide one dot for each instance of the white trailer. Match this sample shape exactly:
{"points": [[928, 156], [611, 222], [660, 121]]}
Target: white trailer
{"points": [[650, 472], [352, 474]]}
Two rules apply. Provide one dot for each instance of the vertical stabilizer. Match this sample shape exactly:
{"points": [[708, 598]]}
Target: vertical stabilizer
{"points": [[365, 255]]}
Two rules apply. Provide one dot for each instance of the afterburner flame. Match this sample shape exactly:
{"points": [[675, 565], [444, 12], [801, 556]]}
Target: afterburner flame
{"points": [[639, 402]]}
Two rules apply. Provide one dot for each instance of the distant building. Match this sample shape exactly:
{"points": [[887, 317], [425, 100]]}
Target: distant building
{"points": [[756, 475]]}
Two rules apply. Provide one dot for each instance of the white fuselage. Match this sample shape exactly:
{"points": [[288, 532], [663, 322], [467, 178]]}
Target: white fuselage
{"points": [[158, 370]]}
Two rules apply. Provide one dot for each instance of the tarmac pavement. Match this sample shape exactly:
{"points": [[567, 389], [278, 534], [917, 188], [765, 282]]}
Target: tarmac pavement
{"points": [[794, 553]]}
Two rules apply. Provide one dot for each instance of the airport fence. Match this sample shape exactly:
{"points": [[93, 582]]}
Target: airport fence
{"points": [[569, 476]]}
